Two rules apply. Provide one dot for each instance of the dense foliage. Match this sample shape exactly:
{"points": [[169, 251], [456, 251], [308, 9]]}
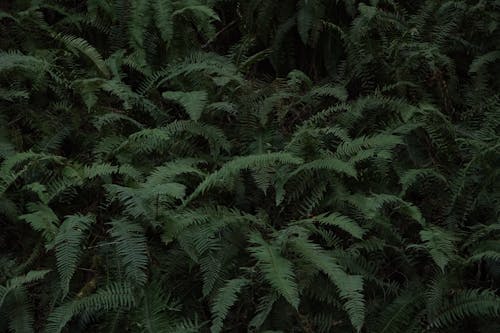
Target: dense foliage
{"points": [[261, 166]]}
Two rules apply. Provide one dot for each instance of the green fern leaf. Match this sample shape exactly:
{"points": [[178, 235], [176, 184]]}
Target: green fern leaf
{"points": [[484, 60], [132, 249], [80, 45], [468, 303], [397, 316], [305, 20], [349, 286], [193, 102], [68, 242], [199, 9], [277, 270], [328, 163], [112, 297], [440, 244], [20, 313], [163, 10], [410, 177], [155, 312], [264, 308], [42, 218], [224, 300], [241, 163], [340, 221]]}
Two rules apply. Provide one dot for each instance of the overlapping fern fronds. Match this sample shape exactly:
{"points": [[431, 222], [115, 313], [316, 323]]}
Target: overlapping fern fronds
{"points": [[260, 166]]}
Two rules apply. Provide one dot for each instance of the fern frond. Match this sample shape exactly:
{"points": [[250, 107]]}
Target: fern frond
{"points": [[350, 287], [42, 218], [264, 308], [29, 277], [340, 221], [163, 10], [149, 140], [193, 102], [68, 244], [169, 171], [241, 163], [212, 270], [484, 60], [201, 9], [378, 142], [224, 300], [440, 244], [156, 311], [410, 177], [399, 314], [328, 90], [112, 297], [371, 206], [328, 163], [80, 45], [21, 318], [132, 249], [277, 270], [467, 303], [14, 301], [112, 117]]}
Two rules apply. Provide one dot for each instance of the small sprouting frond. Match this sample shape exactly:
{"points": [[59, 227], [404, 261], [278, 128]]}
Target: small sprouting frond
{"points": [[122, 91], [485, 255], [219, 68]]}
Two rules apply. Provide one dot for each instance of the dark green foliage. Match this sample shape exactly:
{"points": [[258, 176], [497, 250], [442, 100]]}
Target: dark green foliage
{"points": [[249, 166]]}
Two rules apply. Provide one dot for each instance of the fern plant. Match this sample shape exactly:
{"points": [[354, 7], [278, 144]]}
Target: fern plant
{"points": [[249, 166]]}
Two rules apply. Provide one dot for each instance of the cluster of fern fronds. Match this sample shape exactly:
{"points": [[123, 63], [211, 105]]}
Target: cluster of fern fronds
{"points": [[249, 166]]}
